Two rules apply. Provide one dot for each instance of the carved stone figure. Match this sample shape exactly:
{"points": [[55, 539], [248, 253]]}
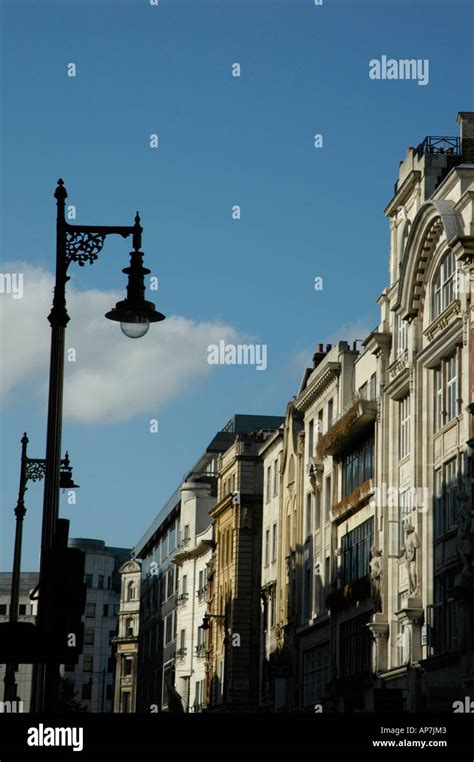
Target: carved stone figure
{"points": [[464, 542], [410, 549], [376, 576]]}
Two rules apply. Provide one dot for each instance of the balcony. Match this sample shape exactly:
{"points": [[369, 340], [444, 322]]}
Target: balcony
{"points": [[182, 599], [201, 650], [202, 594], [181, 653], [347, 428], [352, 502]]}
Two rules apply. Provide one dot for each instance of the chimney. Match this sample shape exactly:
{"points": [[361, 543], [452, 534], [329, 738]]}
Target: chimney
{"points": [[318, 355], [328, 347], [466, 130]]}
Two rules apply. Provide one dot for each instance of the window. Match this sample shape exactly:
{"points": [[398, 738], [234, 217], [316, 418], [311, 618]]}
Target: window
{"points": [[330, 413], [109, 583], [89, 638], [275, 477], [355, 643], [273, 606], [100, 582], [443, 616], [357, 466], [3, 609], [164, 548], [320, 424], [401, 335], [184, 585], [310, 439], [373, 387], [356, 546], [88, 580], [182, 641], [126, 702], [267, 488], [127, 666], [129, 628], [186, 533], [105, 609], [90, 610], [267, 547], [170, 582], [88, 664], [168, 629], [444, 292], [274, 542], [317, 509], [131, 592], [309, 508], [22, 609], [445, 486], [327, 498], [172, 538], [111, 664], [86, 693], [307, 593], [404, 432], [445, 389], [315, 674]]}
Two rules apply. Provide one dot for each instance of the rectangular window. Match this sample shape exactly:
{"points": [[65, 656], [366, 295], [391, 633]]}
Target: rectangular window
{"points": [[168, 629], [276, 477], [127, 666], [274, 542], [451, 388], [88, 580], [90, 610], [172, 539], [317, 509], [402, 336], [268, 484], [182, 640], [100, 582], [88, 664], [184, 585], [443, 620], [356, 546], [404, 435], [357, 466], [164, 548], [327, 498], [3, 609], [445, 389], [373, 387], [89, 638], [105, 609], [309, 509], [307, 593], [355, 643], [267, 547], [310, 439], [22, 609], [320, 424], [273, 606], [170, 582], [315, 674], [330, 413], [445, 487]]}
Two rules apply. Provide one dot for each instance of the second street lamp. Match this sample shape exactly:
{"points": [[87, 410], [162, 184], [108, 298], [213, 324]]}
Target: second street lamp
{"points": [[79, 244]]}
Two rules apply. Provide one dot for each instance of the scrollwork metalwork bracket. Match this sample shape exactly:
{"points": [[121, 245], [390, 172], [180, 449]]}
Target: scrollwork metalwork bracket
{"points": [[83, 247], [35, 469]]}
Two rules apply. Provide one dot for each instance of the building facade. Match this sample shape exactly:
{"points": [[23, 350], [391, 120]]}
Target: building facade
{"points": [[93, 676], [126, 640]]}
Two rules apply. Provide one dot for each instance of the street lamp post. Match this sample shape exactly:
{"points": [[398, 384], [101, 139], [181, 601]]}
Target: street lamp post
{"points": [[31, 469], [79, 244]]}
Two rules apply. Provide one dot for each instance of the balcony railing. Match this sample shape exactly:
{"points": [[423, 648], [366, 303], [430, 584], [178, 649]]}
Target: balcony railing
{"points": [[183, 598], [181, 653], [440, 144], [201, 650]]}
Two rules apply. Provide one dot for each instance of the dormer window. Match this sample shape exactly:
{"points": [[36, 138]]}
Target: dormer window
{"points": [[443, 289]]}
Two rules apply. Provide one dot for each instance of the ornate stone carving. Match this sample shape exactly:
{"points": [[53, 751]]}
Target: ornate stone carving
{"points": [[410, 553], [376, 577]]}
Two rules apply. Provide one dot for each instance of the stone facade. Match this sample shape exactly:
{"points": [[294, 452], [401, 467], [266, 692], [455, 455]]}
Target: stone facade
{"points": [[126, 642]]}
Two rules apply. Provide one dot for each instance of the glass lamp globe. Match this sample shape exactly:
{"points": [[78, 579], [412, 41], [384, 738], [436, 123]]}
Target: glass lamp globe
{"points": [[135, 329]]}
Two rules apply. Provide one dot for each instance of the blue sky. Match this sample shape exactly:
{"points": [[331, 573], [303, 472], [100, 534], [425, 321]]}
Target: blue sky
{"points": [[305, 212]]}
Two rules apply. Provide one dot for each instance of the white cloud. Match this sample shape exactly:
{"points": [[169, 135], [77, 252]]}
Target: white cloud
{"points": [[114, 378]]}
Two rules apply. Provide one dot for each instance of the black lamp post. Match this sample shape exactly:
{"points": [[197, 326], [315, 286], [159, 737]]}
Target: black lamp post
{"points": [[80, 244], [31, 469]]}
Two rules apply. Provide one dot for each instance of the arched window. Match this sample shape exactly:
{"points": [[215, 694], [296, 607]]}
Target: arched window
{"points": [[444, 284], [131, 591]]}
